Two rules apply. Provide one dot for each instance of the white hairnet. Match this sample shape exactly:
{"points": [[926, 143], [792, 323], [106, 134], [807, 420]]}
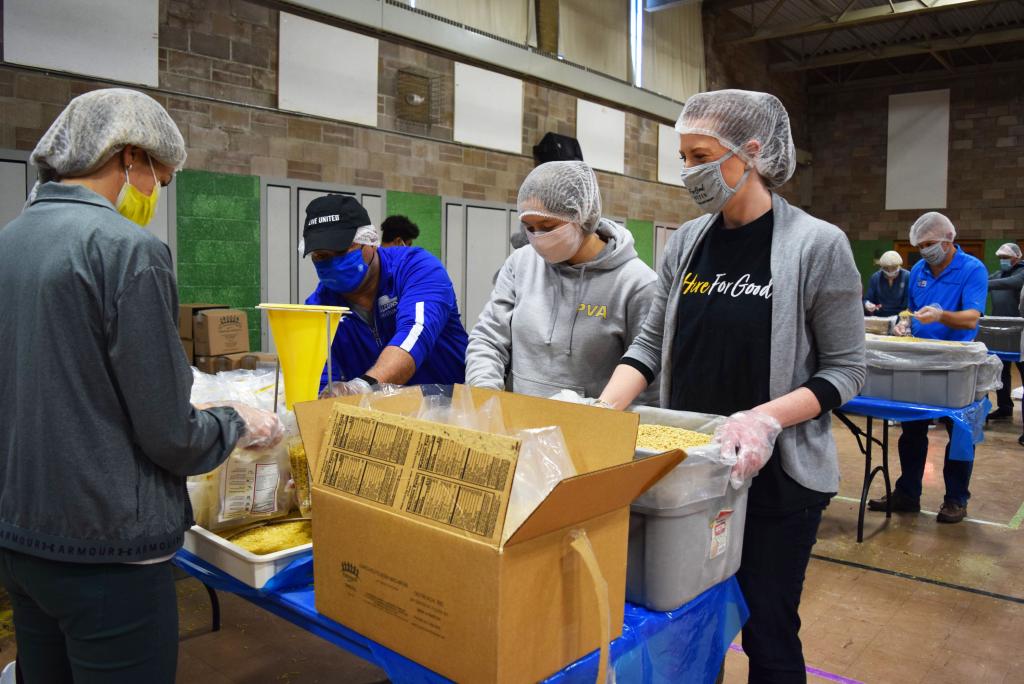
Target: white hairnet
{"points": [[562, 190], [96, 125], [932, 226], [890, 259], [735, 117], [1010, 250]]}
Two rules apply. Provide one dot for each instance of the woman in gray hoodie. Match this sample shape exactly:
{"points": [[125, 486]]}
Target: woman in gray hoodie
{"points": [[757, 317], [565, 308]]}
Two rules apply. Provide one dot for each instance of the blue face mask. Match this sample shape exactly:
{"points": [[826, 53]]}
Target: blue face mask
{"points": [[343, 273], [1005, 264]]}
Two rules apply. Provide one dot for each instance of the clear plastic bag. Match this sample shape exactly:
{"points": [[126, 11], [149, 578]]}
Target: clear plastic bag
{"points": [[251, 485], [886, 352], [703, 475], [544, 461]]}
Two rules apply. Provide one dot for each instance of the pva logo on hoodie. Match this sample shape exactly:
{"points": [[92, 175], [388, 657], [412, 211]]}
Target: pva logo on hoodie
{"points": [[594, 310]]}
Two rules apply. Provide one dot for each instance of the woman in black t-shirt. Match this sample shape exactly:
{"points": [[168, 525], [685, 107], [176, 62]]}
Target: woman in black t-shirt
{"points": [[758, 317]]}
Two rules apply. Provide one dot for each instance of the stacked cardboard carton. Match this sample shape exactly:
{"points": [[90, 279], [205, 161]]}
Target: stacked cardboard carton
{"points": [[216, 338]]}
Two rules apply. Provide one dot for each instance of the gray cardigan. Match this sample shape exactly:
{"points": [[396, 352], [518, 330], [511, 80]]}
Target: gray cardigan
{"points": [[817, 327]]}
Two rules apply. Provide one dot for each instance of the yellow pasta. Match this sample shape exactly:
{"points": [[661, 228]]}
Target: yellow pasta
{"points": [[274, 537], [664, 438]]}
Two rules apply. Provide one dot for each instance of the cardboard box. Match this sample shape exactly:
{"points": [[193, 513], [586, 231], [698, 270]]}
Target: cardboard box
{"points": [[189, 347], [406, 543], [186, 312], [206, 364], [254, 360], [220, 331]]}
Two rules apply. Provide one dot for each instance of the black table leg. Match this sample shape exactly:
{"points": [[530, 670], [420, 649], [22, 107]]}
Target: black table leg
{"points": [[867, 478], [214, 607], [865, 442], [885, 469]]}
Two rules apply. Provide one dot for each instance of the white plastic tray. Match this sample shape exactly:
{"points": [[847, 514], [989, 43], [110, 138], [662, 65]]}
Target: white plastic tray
{"points": [[243, 565]]}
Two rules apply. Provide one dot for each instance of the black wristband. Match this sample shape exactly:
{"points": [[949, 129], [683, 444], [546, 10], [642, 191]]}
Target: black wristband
{"points": [[371, 381]]}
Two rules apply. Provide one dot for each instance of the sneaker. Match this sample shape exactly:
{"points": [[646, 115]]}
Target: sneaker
{"points": [[1000, 414], [7, 676], [951, 512], [901, 503]]}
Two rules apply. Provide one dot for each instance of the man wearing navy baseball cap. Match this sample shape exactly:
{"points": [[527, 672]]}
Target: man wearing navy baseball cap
{"points": [[405, 327]]}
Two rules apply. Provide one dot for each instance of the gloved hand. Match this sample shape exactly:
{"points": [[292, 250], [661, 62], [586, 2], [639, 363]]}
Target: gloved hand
{"points": [[902, 329], [345, 389], [871, 307], [749, 437], [929, 314], [571, 397], [263, 429]]}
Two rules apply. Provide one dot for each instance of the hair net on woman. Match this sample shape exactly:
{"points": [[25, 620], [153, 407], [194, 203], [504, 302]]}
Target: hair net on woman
{"points": [[890, 259], [735, 117], [932, 226], [96, 125], [562, 190], [1009, 250]]}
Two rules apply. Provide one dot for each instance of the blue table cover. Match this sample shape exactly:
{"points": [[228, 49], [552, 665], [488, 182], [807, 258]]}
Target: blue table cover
{"points": [[684, 645], [968, 421], [1006, 356]]}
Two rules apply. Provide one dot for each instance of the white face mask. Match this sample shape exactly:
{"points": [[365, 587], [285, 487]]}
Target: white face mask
{"points": [[891, 273], [557, 245], [933, 254]]}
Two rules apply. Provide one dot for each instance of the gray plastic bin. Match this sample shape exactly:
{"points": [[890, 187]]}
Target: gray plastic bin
{"points": [[1001, 333], [686, 532], [677, 554], [952, 388]]}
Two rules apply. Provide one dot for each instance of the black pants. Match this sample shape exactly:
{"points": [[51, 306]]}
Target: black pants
{"points": [[776, 550], [92, 624], [1003, 394], [913, 454]]}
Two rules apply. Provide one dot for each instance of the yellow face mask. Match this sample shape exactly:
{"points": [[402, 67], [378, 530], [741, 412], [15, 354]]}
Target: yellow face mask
{"points": [[135, 206]]}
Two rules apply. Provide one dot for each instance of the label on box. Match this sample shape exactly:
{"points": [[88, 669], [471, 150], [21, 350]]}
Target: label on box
{"points": [[448, 476], [720, 533]]}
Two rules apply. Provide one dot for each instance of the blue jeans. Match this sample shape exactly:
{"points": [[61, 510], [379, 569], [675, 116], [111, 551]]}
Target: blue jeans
{"points": [[913, 454]]}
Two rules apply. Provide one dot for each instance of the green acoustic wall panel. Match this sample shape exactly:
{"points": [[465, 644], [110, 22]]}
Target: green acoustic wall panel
{"points": [[218, 240], [865, 254], [643, 236], [425, 212]]}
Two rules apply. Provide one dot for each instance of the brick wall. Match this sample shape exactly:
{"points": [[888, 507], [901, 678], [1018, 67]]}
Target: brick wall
{"points": [[218, 78], [986, 167]]}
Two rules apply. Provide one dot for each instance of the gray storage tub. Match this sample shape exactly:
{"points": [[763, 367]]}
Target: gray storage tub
{"points": [[686, 532], [1001, 333], [929, 372]]}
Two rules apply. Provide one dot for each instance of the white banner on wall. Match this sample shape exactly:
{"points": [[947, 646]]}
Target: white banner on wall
{"points": [[917, 155], [601, 132], [111, 39], [669, 163], [327, 71], [488, 109]]}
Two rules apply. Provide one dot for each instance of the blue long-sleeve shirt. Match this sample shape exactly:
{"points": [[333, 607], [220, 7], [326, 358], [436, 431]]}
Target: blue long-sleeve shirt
{"points": [[893, 298], [415, 310]]}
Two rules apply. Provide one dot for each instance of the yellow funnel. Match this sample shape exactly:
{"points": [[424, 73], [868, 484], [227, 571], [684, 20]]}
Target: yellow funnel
{"points": [[303, 335]]}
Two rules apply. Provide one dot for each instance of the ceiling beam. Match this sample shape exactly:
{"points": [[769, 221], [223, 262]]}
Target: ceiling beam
{"points": [[924, 47], [940, 76], [850, 18]]}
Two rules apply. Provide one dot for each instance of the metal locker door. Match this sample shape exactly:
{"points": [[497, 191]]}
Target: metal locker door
{"points": [[486, 250]]}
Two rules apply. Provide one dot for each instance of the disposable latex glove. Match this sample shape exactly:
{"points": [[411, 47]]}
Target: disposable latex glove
{"points": [[871, 307], [901, 329], [263, 429], [345, 389], [749, 437], [929, 314]]}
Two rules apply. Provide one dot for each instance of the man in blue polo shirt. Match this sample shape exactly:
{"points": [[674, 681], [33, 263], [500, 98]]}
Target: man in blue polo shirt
{"points": [[948, 288], [404, 328]]}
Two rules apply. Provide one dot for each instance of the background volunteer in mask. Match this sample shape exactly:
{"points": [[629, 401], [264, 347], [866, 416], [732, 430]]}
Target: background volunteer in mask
{"points": [[948, 289], [405, 327], [97, 430], [563, 311], [758, 317], [887, 290], [1005, 286]]}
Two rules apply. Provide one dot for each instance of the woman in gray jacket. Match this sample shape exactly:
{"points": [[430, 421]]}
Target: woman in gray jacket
{"points": [[757, 317], [564, 309]]}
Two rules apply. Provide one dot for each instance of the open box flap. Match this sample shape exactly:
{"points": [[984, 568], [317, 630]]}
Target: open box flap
{"points": [[589, 495]]}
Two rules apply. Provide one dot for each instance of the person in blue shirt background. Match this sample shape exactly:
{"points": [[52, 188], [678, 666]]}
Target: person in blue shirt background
{"points": [[404, 328], [948, 289], [887, 289]]}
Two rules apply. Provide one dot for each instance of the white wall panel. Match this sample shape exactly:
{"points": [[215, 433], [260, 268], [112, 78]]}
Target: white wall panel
{"points": [[601, 132], [487, 248], [917, 159], [488, 109], [669, 163]]}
